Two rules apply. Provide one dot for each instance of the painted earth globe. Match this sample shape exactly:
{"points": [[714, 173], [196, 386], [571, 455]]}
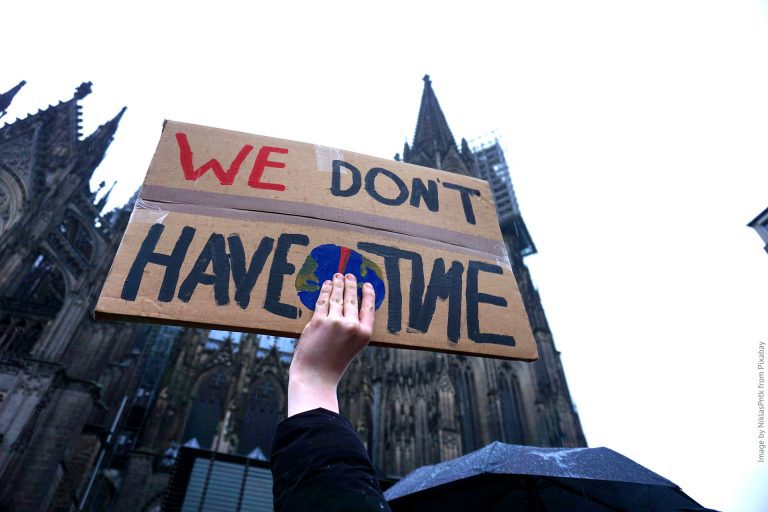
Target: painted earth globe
{"points": [[326, 260]]}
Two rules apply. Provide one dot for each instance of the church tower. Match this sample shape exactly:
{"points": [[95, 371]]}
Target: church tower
{"points": [[428, 407], [49, 227], [433, 143], [60, 372]]}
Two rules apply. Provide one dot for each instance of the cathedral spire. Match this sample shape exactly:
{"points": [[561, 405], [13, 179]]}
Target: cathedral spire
{"points": [[433, 137], [103, 201], [106, 132], [7, 97], [96, 144], [433, 144]]}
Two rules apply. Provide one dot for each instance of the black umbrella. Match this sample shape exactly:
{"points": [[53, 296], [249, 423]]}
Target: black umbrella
{"points": [[511, 477]]}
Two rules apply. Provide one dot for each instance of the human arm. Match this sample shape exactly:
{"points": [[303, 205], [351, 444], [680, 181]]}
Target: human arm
{"points": [[318, 460], [328, 343]]}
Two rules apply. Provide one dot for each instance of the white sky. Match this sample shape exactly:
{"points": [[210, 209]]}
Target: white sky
{"points": [[636, 134]]}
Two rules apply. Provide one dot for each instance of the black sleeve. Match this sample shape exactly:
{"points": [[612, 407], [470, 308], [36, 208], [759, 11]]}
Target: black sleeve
{"points": [[319, 464]]}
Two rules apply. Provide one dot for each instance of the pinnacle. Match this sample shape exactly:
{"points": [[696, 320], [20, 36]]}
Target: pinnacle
{"points": [[433, 136]]}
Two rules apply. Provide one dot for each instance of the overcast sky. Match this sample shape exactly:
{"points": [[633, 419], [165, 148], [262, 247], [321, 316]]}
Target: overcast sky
{"points": [[636, 133]]}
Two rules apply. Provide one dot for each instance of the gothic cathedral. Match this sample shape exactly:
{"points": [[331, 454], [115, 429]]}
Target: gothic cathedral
{"points": [[92, 414]]}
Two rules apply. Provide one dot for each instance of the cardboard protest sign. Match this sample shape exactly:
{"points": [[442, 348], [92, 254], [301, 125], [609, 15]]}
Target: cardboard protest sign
{"points": [[238, 231]]}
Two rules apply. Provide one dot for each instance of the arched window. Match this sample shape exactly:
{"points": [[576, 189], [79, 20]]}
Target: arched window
{"points": [[73, 230], [208, 409], [511, 417], [261, 416], [465, 404]]}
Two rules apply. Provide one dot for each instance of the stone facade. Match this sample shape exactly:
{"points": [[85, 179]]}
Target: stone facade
{"points": [[60, 372], [98, 411]]}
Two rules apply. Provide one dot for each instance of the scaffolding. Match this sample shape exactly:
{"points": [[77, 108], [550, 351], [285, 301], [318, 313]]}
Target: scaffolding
{"points": [[492, 167]]}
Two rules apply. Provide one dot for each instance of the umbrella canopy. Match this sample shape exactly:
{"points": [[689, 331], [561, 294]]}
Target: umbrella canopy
{"points": [[511, 477]]}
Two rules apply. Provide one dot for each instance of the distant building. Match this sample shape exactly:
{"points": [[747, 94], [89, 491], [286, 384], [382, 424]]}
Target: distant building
{"points": [[760, 224], [96, 414]]}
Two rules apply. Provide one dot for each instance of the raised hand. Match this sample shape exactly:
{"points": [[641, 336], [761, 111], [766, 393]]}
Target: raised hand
{"points": [[336, 333]]}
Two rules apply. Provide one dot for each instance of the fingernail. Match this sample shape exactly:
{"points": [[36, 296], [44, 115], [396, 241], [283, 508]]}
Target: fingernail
{"points": [[368, 285], [337, 276], [327, 282], [350, 277]]}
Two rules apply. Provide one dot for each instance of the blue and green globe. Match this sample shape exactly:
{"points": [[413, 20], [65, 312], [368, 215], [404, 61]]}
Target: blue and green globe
{"points": [[326, 260]]}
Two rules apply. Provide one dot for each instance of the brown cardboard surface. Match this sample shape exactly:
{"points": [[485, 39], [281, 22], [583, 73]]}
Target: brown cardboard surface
{"points": [[307, 178], [465, 297]]}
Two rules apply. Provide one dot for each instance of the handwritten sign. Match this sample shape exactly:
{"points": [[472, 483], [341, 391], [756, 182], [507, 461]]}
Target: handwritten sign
{"points": [[239, 231]]}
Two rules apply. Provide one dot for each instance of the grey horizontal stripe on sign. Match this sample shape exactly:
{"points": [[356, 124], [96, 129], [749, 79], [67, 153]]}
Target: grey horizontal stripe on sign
{"points": [[377, 224], [213, 211]]}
